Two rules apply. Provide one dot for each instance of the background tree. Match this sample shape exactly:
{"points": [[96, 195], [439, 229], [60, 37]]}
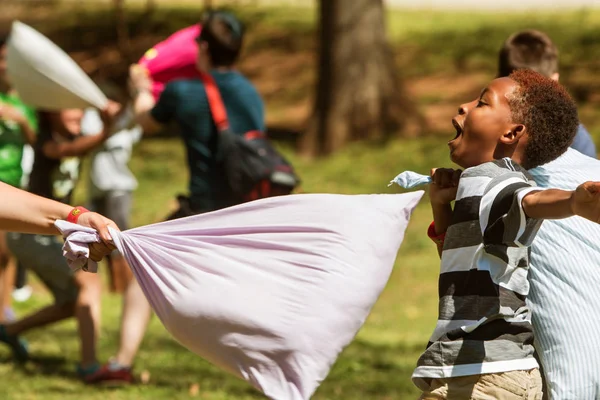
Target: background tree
{"points": [[123, 42], [358, 92]]}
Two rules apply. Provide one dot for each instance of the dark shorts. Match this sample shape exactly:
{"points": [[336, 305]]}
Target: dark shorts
{"points": [[43, 255], [114, 205]]}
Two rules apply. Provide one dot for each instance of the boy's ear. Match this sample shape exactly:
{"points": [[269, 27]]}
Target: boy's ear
{"points": [[514, 134]]}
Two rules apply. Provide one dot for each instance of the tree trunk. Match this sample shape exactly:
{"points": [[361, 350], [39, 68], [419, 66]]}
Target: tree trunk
{"points": [[150, 7], [358, 93], [122, 29]]}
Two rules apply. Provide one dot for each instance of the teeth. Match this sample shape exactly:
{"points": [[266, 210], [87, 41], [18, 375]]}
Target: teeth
{"points": [[458, 129]]}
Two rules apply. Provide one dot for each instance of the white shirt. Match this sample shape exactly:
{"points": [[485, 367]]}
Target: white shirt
{"points": [[109, 169], [565, 287]]}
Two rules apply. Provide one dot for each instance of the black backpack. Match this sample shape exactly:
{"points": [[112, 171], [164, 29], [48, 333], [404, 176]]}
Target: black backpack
{"points": [[252, 167]]}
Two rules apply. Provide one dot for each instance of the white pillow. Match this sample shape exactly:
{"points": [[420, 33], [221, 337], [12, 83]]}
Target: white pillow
{"points": [[44, 76], [270, 291]]}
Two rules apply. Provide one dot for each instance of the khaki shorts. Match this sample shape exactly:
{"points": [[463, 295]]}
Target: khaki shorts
{"points": [[511, 385], [43, 255]]}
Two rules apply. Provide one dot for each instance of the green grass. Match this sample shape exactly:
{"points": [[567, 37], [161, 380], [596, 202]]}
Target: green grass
{"points": [[378, 364]]}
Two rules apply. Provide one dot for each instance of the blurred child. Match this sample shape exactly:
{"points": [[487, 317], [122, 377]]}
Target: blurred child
{"points": [[54, 175], [482, 346], [17, 128], [111, 183], [534, 50]]}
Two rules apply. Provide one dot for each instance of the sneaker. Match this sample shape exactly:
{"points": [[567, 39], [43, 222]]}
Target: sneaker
{"points": [[85, 373], [17, 345], [22, 294], [111, 374]]}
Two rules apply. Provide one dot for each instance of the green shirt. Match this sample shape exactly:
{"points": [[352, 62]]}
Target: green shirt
{"points": [[12, 141]]}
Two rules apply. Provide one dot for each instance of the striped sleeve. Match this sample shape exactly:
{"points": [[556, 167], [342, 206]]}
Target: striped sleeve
{"points": [[502, 218]]}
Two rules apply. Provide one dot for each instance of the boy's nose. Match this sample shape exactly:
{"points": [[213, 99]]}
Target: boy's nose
{"points": [[465, 108]]}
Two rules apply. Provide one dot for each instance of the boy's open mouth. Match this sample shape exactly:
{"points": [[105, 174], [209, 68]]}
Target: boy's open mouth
{"points": [[459, 129]]}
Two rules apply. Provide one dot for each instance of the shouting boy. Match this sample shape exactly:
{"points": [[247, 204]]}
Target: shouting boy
{"points": [[482, 346]]}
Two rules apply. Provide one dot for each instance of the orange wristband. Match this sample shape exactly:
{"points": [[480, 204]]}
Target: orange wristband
{"points": [[75, 213], [437, 239]]}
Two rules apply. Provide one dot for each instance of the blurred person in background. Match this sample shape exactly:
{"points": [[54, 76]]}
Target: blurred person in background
{"points": [[534, 50], [111, 182], [76, 294], [563, 274], [17, 129], [186, 103]]}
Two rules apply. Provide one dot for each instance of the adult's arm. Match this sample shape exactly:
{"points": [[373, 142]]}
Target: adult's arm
{"points": [[558, 204], [143, 102], [82, 144], [21, 211]]}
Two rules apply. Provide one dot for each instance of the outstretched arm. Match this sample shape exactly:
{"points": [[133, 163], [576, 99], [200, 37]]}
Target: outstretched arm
{"points": [[25, 212], [558, 204], [82, 144]]}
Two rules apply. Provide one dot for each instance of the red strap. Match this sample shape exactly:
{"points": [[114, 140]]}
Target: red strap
{"points": [[76, 213], [215, 102], [254, 135], [437, 239], [265, 188]]}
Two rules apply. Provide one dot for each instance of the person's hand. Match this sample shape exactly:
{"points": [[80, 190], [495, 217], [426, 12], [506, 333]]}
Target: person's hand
{"points": [[139, 79], [444, 185], [100, 250], [108, 116], [585, 201], [113, 108], [10, 113], [101, 224]]}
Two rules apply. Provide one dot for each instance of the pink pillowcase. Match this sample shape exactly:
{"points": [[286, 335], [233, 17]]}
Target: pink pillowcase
{"points": [[173, 58]]}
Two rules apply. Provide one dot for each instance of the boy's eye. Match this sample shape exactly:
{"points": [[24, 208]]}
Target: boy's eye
{"points": [[480, 103]]}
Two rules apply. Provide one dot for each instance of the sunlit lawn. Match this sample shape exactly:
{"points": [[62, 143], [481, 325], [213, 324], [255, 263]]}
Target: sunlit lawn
{"points": [[379, 363]]}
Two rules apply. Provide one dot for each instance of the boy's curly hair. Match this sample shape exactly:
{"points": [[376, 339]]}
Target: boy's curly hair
{"points": [[547, 111]]}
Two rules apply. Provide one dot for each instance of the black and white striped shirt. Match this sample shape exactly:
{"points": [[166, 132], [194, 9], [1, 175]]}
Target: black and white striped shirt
{"points": [[484, 325]]}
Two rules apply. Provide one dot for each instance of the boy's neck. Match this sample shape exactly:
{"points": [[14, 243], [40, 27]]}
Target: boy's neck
{"points": [[517, 154]]}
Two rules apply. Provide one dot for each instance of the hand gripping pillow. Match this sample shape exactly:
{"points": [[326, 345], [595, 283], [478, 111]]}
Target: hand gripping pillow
{"points": [[270, 291]]}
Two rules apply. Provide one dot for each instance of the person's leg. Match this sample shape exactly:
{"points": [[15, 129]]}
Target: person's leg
{"points": [[21, 278], [438, 390], [45, 316], [118, 208], [10, 333], [6, 278], [134, 321], [87, 313], [510, 385], [42, 255], [21, 291]]}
